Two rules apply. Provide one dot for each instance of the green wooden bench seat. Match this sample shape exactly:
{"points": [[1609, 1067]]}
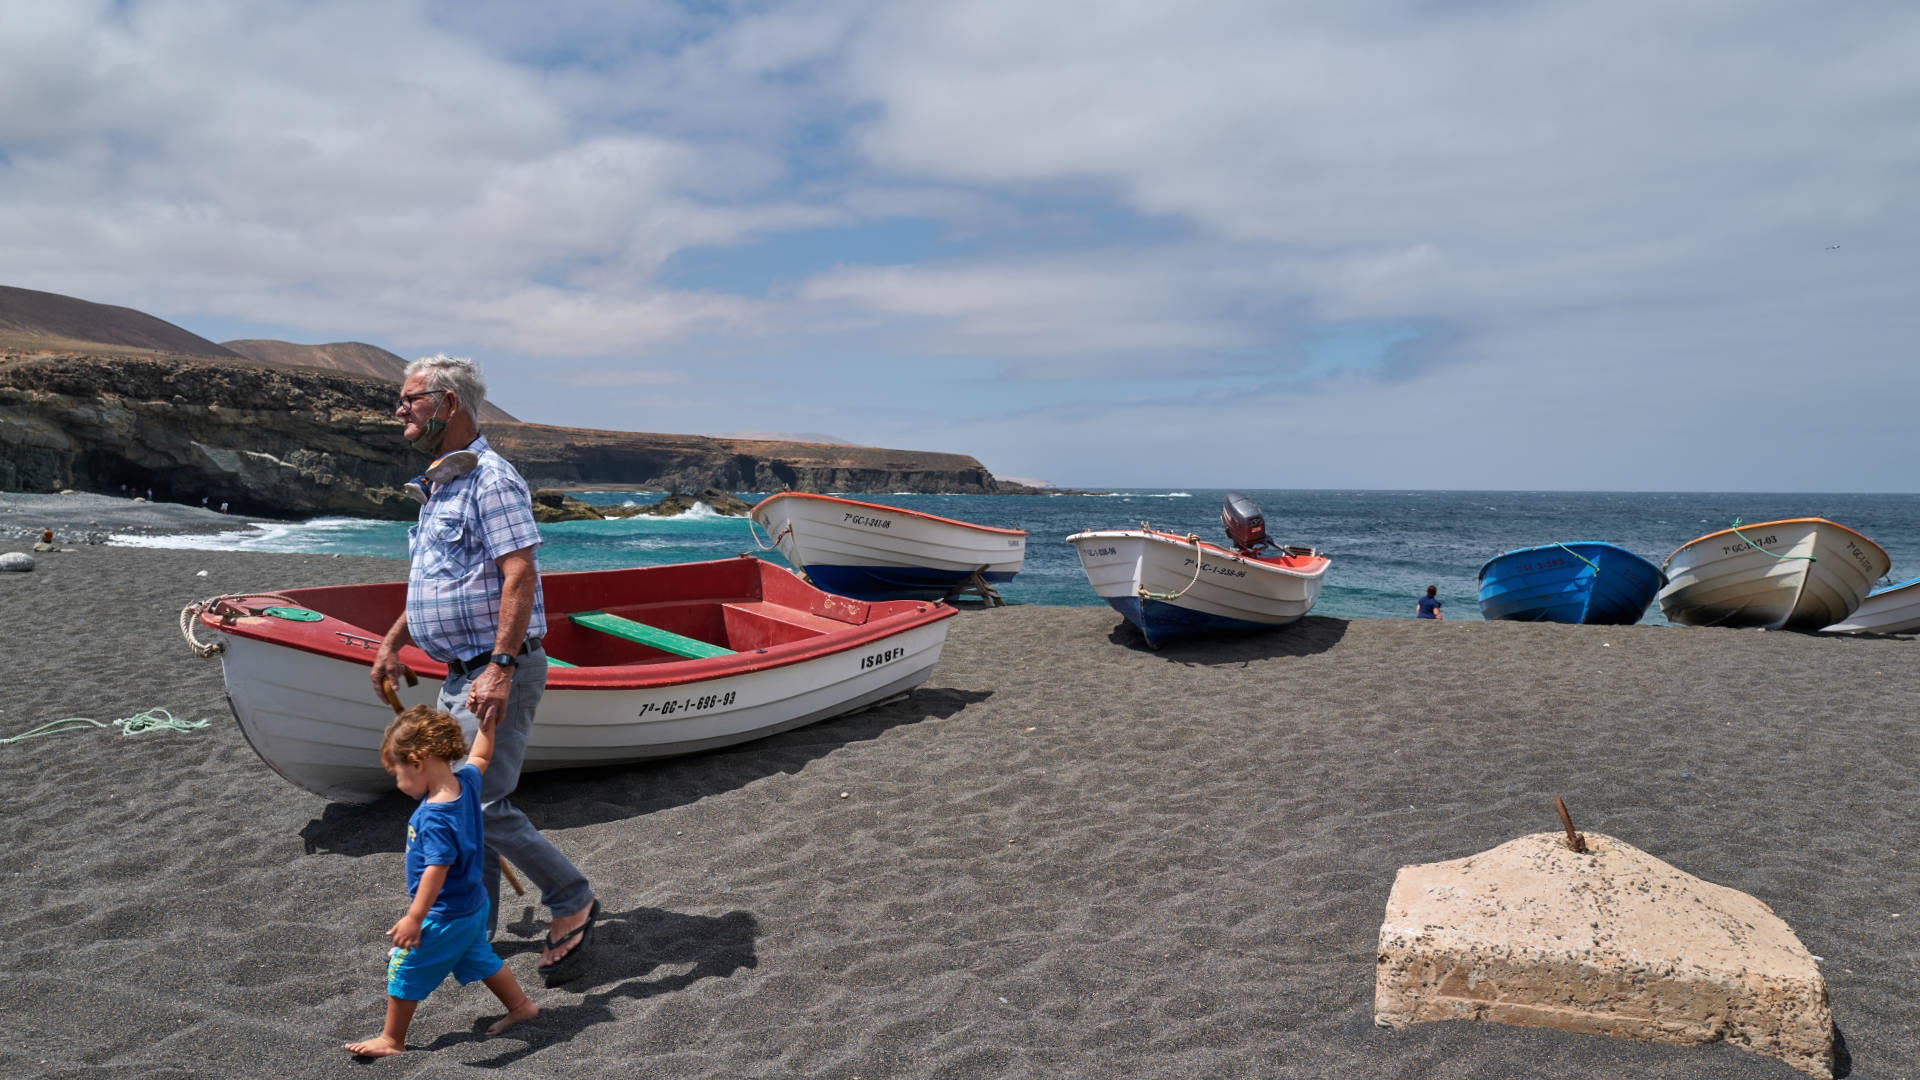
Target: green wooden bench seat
{"points": [[651, 636]]}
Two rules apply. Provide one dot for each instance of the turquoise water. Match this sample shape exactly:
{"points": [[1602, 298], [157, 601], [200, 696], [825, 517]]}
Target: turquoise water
{"points": [[1386, 546]]}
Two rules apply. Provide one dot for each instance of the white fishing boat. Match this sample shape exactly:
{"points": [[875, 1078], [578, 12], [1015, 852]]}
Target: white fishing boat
{"points": [[1794, 574], [1892, 610], [874, 552], [645, 663], [1170, 586]]}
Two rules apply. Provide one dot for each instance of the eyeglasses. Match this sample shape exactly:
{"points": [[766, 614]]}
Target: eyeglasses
{"points": [[407, 400]]}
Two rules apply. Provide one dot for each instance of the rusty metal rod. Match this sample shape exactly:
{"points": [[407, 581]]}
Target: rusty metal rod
{"points": [[1574, 840]]}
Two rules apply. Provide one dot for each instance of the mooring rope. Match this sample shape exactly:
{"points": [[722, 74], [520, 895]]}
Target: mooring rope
{"points": [[1590, 563], [1198, 562], [191, 613], [155, 719], [755, 533], [1736, 531]]}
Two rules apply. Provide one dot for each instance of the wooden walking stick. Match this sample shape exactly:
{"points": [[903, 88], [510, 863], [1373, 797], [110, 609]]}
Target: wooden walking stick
{"points": [[393, 698]]}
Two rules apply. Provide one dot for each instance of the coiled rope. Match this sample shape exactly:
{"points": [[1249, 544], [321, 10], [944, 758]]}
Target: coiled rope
{"points": [[155, 719], [1736, 531], [1198, 562], [191, 614]]}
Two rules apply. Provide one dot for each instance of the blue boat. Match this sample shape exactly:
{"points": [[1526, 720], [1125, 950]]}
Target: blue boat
{"points": [[1581, 582]]}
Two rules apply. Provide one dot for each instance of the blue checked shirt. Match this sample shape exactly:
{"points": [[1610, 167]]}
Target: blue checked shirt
{"points": [[453, 585]]}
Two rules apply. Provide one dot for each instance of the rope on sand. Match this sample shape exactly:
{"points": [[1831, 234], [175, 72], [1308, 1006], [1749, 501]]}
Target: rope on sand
{"points": [[155, 719]]}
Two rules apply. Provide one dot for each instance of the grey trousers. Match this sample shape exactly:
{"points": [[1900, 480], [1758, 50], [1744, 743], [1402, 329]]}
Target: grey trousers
{"points": [[563, 888]]}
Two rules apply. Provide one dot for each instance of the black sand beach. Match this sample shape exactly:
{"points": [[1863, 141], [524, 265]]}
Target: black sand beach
{"points": [[1065, 856]]}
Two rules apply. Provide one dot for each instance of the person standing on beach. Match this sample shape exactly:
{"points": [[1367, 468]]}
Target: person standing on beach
{"points": [[474, 604], [1428, 606], [444, 931]]}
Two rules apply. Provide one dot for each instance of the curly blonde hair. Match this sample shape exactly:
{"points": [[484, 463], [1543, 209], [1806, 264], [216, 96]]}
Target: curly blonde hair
{"points": [[422, 732]]}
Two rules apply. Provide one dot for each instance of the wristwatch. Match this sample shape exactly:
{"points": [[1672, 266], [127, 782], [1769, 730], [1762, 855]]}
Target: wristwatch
{"points": [[504, 659]]}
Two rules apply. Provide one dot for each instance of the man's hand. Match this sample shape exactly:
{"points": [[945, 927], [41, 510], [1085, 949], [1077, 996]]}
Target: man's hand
{"points": [[487, 695], [386, 667]]}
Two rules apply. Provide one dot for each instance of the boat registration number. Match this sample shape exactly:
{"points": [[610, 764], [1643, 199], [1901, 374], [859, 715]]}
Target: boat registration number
{"points": [[869, 522], [1216, 568], [874, 660], [676, 706], [1734, 549]]}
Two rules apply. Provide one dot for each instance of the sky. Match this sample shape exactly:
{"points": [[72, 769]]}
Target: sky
{"points": [[1442, 244]]}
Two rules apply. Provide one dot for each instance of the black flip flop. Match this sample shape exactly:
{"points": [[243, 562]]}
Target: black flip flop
{"points": [[584, 932]]}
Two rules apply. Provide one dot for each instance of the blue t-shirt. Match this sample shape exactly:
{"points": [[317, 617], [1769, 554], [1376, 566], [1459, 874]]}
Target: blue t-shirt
{"points": [[449, 834], [1428, 605]]}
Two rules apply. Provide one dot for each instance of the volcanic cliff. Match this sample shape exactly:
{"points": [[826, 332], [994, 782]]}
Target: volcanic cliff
{"points": [[296, 442]]}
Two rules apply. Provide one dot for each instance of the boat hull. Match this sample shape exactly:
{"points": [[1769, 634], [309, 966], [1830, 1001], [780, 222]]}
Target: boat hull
{"points": [[874, 552], [1581, 582], [1796, 574], [1892, 610], [311, 714], [1195, 588]]}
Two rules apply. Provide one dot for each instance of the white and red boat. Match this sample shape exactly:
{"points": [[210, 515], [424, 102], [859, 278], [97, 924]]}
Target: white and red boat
{"points": [[645, 663], [874, 552], [1171, 586]]}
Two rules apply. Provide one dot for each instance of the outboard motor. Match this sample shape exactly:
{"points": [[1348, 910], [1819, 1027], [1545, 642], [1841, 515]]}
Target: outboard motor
{"points": [[1246, 526]]}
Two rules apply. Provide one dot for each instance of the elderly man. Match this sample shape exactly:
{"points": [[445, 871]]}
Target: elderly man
{"points": [[473, 603]]}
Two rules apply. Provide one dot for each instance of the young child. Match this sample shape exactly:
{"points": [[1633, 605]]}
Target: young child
{"points": [[445, 929]]}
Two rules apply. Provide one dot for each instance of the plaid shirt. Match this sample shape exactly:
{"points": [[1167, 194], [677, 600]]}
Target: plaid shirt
{"points": [[454, 582]]}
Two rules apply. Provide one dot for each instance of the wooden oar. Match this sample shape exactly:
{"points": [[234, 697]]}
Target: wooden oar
{"points": [[393, 698]]}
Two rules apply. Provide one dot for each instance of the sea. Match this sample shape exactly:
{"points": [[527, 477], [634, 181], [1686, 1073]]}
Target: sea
{"points": [[1386, 546]]}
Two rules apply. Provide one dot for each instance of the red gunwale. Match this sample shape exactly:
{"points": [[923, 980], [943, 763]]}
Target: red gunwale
{"points": [[1291, 563], [866, 623], [1770, 524], [888, 509]]}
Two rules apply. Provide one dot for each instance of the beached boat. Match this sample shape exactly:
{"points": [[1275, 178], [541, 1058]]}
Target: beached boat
{"points": [[1170, 586], [1795, 574], [874, 552], [645, 663], [1892, 610], [1581, 582]]}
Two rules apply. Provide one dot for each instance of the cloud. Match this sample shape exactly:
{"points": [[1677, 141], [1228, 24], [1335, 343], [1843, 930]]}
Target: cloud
{"points": [[1517, 224]]}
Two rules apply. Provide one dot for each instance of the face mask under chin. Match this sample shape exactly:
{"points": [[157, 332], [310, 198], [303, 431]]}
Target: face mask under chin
{"points": [[434, 433]]}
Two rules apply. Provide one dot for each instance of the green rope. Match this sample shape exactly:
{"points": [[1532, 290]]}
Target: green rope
{"points": [[152, 720], [1736, 531], [1590, 563]]}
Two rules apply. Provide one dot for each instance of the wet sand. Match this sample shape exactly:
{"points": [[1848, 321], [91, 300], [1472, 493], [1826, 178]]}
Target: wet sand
{"points": [[1064, 856]]}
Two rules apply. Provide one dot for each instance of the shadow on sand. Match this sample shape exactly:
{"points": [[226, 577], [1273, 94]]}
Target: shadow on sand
{"points": [[568, 798], [1311, 635]]}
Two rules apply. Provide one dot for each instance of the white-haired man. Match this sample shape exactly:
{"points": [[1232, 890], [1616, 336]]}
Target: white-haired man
{"points": [[474, 604]]}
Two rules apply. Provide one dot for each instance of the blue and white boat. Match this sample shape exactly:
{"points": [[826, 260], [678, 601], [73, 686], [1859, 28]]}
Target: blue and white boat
{"points": [[874, 552], [1581, 582]]}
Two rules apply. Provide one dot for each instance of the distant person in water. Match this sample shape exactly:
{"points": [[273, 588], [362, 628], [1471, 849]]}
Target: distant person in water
{"points": [[1428, 606]]}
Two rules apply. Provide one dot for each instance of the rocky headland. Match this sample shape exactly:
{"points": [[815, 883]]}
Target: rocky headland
{"points": [[298, 442]]}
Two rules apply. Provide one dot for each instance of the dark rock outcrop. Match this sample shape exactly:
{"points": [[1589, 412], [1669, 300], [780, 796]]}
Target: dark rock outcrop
{"points": [[267, 440], [298, 442], [582, 457]]}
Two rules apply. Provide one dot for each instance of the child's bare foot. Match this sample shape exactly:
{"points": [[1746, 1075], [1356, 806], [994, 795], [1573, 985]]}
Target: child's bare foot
{"points": [[378, 1046], [526, 1010]]}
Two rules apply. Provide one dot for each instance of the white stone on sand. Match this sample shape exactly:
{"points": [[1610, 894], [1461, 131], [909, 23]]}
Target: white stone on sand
{"points": [[1611, 942]]}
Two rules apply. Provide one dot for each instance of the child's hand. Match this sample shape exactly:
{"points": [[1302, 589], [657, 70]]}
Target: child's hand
{"points": [[406, 932]]}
